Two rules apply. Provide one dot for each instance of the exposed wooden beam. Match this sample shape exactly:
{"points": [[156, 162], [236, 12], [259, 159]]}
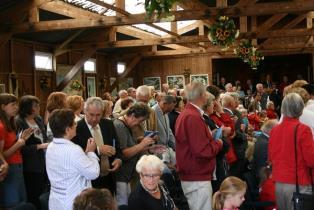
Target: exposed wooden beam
{"points": [[270, 22], [33, 15], [189, 39], [140, 34], [73, 71], [63, 8], [142, 42], [258, 9], [61, 48], [295, 21], [131, 65], [127, 14]]}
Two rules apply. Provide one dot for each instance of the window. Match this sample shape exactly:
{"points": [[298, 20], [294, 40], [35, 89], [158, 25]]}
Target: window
{"points": [[43, 61], [120, 68], [90, 66]]}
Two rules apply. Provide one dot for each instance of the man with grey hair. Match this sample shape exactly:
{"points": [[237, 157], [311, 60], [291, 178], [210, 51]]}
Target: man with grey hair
{"points": [[260, 154], [104, 134], [196, 149], [165, 135], [123, 94]]}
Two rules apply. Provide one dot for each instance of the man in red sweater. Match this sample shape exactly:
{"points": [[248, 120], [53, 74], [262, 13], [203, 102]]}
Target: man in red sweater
{"points": [[196, 150]]}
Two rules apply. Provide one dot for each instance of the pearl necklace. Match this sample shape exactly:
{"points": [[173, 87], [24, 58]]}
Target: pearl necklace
{"points": [[149, 191]]}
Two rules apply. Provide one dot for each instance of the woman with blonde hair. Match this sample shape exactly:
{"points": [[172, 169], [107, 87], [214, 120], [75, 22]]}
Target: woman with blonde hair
{"points": [[76, 104], [230, 195]]}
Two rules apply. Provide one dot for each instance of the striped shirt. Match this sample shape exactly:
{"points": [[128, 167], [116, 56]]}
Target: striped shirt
{"points": [[70, 171]]}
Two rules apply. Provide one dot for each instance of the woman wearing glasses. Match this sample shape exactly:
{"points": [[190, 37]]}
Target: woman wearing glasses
{"points": [[149, 194]]}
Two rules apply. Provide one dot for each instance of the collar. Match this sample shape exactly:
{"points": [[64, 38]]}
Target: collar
{"points": [[229, 110], [62, 141], [199, 109], [89, 126]]}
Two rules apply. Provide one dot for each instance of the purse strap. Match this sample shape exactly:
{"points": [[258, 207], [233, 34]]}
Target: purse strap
{"points": [[296, 162], [296, 159]]}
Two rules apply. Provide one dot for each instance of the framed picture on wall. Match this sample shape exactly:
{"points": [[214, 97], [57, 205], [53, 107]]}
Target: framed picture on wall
{"points": [[203, 78], [2, 88], [91, 86], [152, 81], [176, 81]]}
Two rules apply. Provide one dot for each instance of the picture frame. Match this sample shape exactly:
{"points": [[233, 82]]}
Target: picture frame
{"points": [[91, 86], [203, 78], [2, 88], [176, 81], [153, 81], [125, 83]]}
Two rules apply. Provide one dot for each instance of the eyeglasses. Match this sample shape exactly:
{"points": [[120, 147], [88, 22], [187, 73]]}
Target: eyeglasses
{"points": [[152, 176]]}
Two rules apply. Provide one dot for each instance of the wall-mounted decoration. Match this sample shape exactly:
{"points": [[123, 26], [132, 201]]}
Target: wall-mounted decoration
{"points": [[45, 83], [91, 86], [176, 81], [203, 78], [152, 81], [2, 88]]}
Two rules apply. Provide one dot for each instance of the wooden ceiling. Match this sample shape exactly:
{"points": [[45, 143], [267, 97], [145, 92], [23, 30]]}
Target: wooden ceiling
{"points": [[275, 26]]}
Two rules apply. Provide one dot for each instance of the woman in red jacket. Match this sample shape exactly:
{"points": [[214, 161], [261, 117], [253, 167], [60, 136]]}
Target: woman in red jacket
{"points": [[281, 152]]}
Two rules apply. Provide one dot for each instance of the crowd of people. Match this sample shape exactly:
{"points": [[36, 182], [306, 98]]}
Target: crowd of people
{"points": [[197, 148]]}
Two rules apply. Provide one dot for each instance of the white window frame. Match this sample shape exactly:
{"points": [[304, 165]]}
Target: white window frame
{"points": [[44, 54], [121, 64], [93, 60]]}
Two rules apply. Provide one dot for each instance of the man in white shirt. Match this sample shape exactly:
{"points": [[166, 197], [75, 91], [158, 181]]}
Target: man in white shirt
{"points": [[70, 169]]}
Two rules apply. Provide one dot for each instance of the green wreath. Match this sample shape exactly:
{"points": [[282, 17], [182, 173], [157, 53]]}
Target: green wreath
{"points": [[248, 53], [161, 7], [223, 32]]}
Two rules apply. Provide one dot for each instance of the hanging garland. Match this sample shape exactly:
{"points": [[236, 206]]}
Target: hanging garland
{"points": [[248, 53], [223, 32], [161, 7]]}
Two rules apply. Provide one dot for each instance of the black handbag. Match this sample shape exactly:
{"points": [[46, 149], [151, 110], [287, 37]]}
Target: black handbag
{"points": [[301, 201]]}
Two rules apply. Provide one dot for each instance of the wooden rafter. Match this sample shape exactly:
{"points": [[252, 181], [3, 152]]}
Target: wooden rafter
{"points": [[61, 48], [73, 71], [130, 66], [260, 9], [127, 14], [189, 39]]}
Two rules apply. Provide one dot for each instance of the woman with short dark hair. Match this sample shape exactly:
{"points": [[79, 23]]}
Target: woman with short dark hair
{"points": [[70, 169], [34, 166], [131, 149]]}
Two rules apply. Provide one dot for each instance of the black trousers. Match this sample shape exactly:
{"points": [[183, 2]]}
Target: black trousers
{"points": [[35, 184]]}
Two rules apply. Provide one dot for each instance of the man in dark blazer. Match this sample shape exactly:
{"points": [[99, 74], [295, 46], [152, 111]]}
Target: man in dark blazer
{"points": [[110, 148], [260, 154]]}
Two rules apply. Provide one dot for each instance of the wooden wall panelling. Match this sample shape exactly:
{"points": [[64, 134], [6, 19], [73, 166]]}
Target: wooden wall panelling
{"points": [[163, 67]]}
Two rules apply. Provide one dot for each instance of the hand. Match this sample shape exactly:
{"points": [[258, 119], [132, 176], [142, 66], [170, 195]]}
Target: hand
{"points": [[91, 145], [219, 140], [146, 142], [4, 168], [116, 165], [107, 150], [25, 134], [42, 146], [226, 131], [218, 107]]}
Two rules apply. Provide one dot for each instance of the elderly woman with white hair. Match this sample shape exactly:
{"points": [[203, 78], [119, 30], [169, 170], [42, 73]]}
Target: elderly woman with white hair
{"points": [[287, 137], [149, 194]]}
